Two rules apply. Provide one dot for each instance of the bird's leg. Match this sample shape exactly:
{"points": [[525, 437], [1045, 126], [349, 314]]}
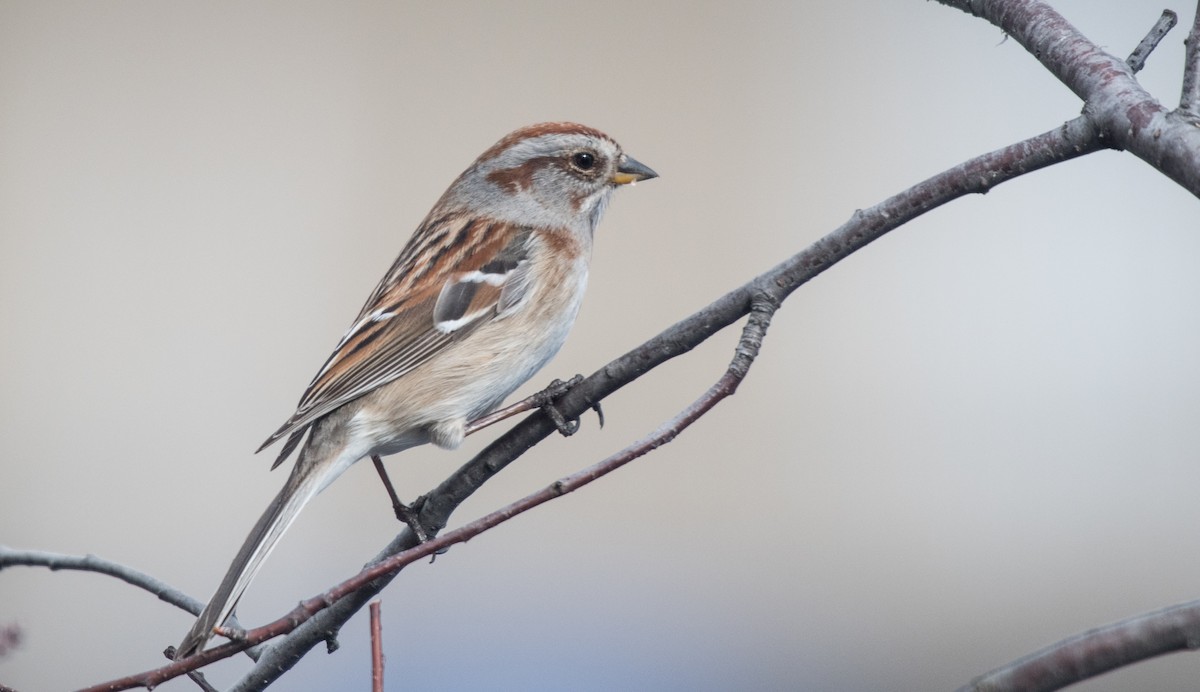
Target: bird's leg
{"points": [[403, 512], [544, 400]]}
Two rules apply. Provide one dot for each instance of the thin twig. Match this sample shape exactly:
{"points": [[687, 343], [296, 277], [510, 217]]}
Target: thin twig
{"points": [[762, 309], [201, 682], [10, 557], [376, 648], [1189, 100], [1098, 651], [1137, 59]]}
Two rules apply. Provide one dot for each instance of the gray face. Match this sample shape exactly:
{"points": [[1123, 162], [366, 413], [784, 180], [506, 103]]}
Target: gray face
{"points": [[554, 180]]}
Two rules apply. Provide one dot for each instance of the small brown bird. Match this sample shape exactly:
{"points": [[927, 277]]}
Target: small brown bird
{"points": [[480, 298]]}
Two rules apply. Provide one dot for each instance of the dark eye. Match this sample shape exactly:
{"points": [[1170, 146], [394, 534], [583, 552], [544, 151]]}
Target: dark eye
{"points": [[583, 160]]}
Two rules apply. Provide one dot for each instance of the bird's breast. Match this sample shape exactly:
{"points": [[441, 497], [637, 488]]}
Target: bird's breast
{"points": [[474, 375]]}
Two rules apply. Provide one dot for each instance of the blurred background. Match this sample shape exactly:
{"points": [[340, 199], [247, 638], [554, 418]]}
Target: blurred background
{"points": [[972, 438]]}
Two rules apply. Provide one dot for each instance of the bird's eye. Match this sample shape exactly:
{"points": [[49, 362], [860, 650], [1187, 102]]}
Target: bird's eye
{"points": [[583, 160]]}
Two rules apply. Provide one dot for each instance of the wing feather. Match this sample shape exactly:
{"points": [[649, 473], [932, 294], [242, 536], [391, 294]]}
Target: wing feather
{"points": [[453, 276]]}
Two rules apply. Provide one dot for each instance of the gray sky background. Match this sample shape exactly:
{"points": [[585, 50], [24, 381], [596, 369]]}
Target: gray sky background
{"points": [[970, 439]]}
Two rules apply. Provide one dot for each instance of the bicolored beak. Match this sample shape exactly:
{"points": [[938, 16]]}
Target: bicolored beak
{"points": [[630, 170]]}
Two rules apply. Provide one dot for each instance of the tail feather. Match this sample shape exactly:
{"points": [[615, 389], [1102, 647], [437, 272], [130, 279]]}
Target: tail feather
{"points": [[302, 485]]}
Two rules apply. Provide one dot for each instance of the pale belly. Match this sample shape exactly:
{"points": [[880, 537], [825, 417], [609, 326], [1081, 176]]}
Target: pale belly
{"points": [[434, 402]]}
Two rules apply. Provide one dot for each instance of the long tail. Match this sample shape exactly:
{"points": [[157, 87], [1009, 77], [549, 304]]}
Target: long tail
{"points": [[307, 479]]}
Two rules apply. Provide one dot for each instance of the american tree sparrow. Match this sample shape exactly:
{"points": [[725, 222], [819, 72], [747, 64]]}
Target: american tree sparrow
{"points": [[480, 298]]}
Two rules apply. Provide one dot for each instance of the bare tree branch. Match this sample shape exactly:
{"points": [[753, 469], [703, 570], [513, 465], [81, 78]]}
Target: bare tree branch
{"points": [[1189, 101], [1125, 113], [10, 557], [1137, 59], [376, 648], [1097, 651], [201, 682]]}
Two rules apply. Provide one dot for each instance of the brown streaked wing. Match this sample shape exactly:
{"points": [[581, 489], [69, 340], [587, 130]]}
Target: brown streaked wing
{"points": [[436, 231], [496, 286], [395, 332]]}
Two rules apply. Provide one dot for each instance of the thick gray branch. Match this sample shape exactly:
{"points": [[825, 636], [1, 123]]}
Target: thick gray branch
{"points": [[1121, 109]]}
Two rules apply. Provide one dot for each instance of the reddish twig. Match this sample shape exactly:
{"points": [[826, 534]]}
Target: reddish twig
{"points": [[1098, 651], [376, 648]]}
